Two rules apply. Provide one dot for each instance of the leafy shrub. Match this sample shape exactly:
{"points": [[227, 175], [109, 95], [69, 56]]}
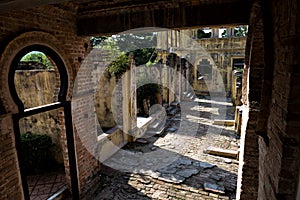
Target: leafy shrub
{"points": [[39, 57], [36, 152], [119, 66]]}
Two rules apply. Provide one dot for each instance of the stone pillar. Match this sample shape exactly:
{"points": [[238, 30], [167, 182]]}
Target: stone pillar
{"points": [[172, 81], [129, 102], [164, 81], [170, 39], [162, 40], [133, 98], [187, 77], [230, 31], [194, 34], [179, 84], [233, 88], [215, 33]]}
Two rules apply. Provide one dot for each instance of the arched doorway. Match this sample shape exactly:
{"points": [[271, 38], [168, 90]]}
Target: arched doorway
{"points": [[57, 109]]}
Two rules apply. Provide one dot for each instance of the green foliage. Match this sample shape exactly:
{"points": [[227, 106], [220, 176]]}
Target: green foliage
{"points": [[97, 41], [133, 42], [238, 64], [36, 56], [126, 42], [201, 34], [143, 56], [119, 65], [36, 152], [241, 31], [121, 46], [224, 34]]}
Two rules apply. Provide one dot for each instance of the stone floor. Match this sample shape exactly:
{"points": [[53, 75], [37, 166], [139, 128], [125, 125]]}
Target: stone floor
{"points": [[173, 165], [43, 186]]}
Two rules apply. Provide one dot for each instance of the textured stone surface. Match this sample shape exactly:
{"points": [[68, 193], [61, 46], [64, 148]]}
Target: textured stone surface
{"points": [[214, 188], [185, 176]]}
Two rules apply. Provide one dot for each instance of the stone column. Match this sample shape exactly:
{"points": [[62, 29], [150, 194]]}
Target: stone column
{"points": [[172, 79], [230, 32], [129, 102], [179, 82], [165, 77], [133, 98], [215, 33]]}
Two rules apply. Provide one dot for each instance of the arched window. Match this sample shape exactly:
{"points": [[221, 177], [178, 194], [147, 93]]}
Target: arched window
{"points": [[38, 82]]}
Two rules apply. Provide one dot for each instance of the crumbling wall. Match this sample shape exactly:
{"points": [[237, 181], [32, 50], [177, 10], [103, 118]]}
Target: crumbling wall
{"points": [[103, 101], [36, 88]]}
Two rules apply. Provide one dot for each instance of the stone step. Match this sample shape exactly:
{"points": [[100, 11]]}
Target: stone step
{"points": [[157, 124], [154, 125], [175, 104], [156, 128], [156, 131], [173, 112], [214, 188], [224, 122], [221, 152], [188, 96]]}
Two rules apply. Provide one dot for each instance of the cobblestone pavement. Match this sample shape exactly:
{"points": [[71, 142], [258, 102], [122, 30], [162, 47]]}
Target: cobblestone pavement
{"points": [[173, 165]]}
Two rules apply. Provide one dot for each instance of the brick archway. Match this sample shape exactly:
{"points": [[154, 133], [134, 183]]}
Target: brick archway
{"points": [[14, 108], [10, 52]]}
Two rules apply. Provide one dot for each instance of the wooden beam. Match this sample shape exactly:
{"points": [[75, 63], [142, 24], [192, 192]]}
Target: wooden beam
{"points": [[166, 17], [13, 5]]}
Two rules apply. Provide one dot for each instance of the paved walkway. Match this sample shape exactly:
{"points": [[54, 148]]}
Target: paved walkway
{"points": [[174, 165], [43, 186]]}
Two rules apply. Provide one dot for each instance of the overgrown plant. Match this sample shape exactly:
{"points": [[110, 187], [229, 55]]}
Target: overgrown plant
{"points": [[36, 152], [121, 46], [36, 56]]}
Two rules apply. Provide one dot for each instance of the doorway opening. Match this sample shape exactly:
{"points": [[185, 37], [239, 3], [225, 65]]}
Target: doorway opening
{"points": [[43, 126]]}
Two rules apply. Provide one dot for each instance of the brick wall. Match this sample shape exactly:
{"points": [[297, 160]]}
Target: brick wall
{"points": [[10, 175], [279, 161], [252, 85], [55, 27]]}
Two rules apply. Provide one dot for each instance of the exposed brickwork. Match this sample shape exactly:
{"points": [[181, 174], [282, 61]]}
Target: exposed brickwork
{"points": [[55, 27], [279, 166], [252, 86], [10, 176]]}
